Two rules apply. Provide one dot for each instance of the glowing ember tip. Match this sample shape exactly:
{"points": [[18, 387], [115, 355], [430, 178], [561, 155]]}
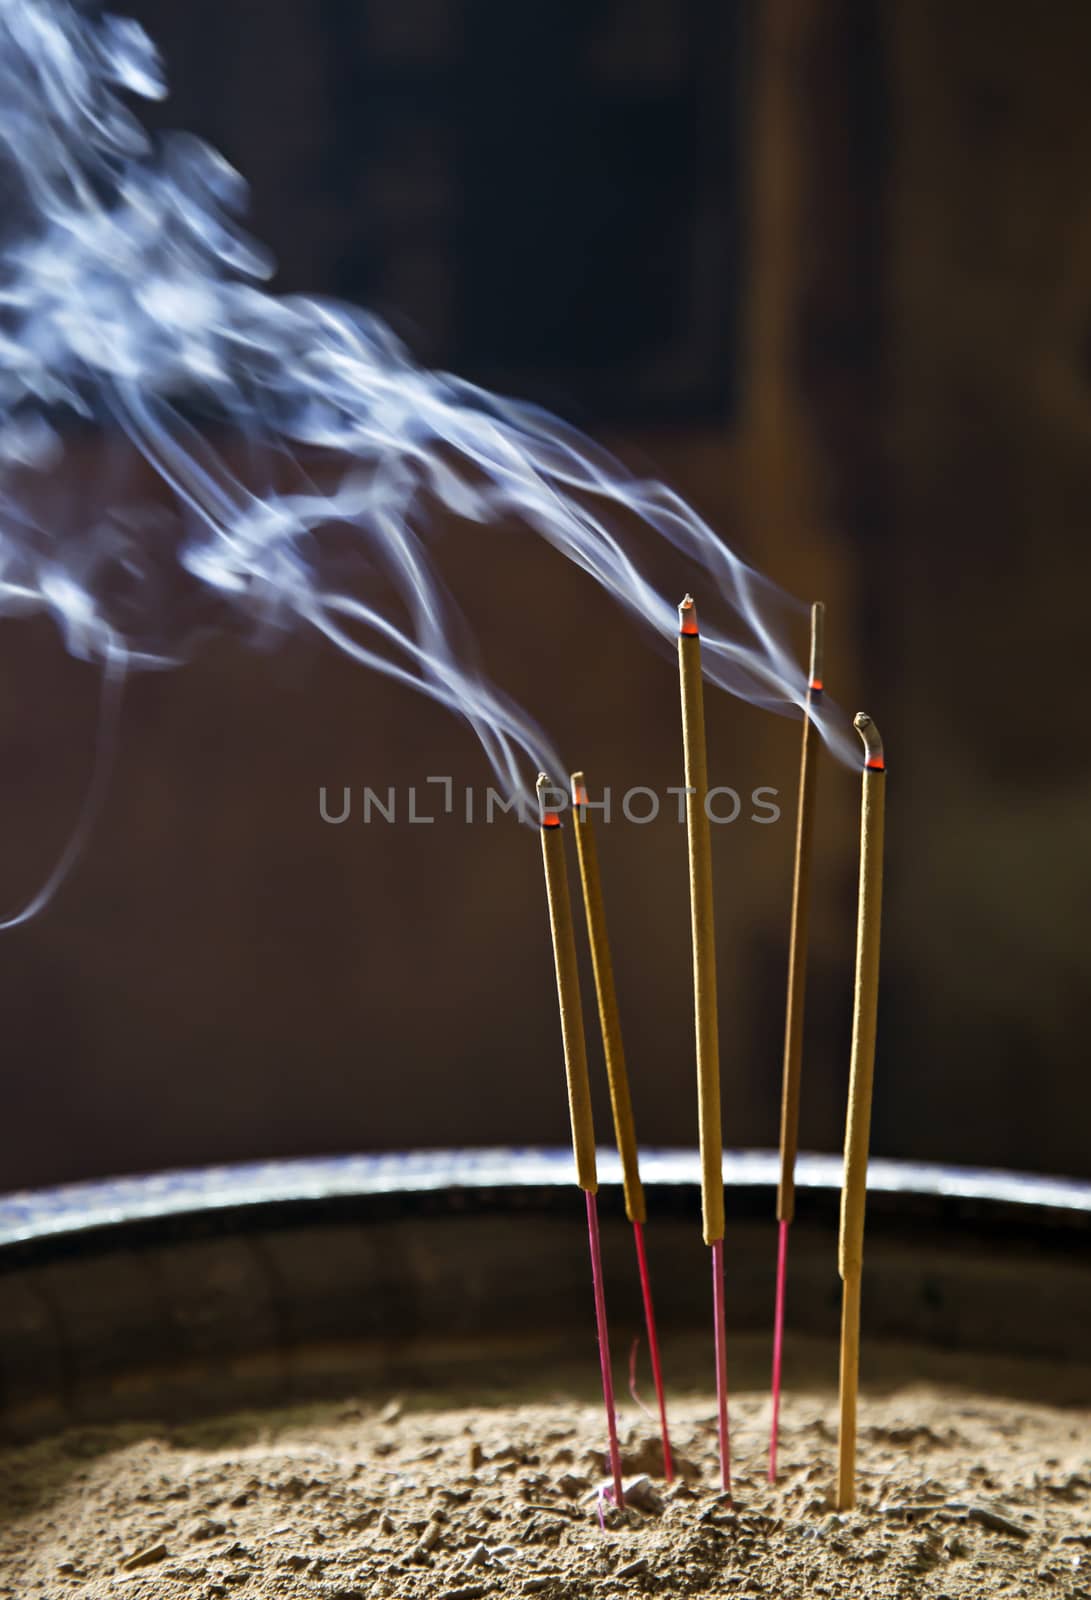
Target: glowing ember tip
{"points": [[687, 617], [873, 745], [579, 789], [548, 815]]}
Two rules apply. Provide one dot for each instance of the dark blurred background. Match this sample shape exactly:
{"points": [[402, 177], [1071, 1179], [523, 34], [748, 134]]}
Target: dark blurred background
{"points": [[824, 266]]}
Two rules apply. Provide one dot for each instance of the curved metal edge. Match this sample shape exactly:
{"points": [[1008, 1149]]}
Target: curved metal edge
{"points": [[75, 1209]]}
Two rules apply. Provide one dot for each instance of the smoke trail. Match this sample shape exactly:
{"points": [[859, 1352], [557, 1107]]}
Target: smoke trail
{"points": [[113, 680], [130, 306]]}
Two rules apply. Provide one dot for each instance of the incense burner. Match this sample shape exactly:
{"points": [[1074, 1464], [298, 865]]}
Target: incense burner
{"points": [[426, 1315], [189, 1292]]}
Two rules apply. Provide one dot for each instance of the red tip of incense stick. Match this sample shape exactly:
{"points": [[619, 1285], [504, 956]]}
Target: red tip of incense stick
{"points": [[579, 790], [873, 745], [604, 1347], [721, 1362], [687, 617], [548, 815], [778, 1345], [653, 1347], [815, 686]]}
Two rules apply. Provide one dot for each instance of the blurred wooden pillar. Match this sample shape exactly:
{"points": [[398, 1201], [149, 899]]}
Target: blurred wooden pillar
{"points": [[811, 452], [991, 310], [817, 284]]}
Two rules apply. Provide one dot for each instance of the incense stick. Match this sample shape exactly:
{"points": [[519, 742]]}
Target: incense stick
{"points": [[579, 1089], [618, 1077], [793, 1019], [858, 1116], [704, 987]]}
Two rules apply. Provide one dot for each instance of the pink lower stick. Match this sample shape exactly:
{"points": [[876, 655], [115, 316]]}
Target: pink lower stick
{"points": [[778, 1345], [721, 1361], [604, 1345], [653, 1347]]}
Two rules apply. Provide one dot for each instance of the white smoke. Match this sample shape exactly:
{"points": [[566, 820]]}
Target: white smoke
{"points": [[130, 307]]}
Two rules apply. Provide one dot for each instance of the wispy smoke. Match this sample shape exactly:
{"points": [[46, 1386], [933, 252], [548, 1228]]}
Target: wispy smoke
{"points": [[236, 429]]}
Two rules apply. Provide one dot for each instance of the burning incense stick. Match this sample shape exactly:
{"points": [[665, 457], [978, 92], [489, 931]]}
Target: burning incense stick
{"points": [[579, 1089], [704, 989], [793, 1021], [618, 1076], [858, 1116]]}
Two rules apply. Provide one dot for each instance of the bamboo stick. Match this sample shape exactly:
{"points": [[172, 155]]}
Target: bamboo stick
{"points": [[797, 945], [706, 1019], [702, 921], [858, 1115], [579, 1090], [618, 1076], [609, 1018], [568, 991], [793, 1016]]}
